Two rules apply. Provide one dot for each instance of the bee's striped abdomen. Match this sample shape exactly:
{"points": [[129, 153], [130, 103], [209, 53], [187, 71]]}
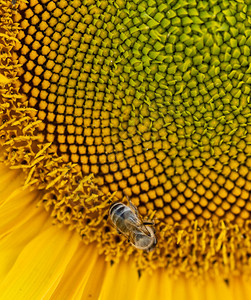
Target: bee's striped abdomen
{"points": [[119, 212]]}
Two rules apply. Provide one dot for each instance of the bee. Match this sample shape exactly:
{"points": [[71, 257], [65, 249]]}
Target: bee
{"points": [[127, 221]]}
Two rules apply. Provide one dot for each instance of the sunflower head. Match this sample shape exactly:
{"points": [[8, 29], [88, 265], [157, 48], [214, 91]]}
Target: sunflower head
{"points": [[149, 100]]}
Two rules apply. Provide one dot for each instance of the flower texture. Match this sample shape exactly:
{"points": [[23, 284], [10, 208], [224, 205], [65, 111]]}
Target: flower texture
{"points": [[149, 100]]}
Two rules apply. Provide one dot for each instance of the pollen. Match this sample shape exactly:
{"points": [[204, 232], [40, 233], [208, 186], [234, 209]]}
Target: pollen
{"points": [[145, 100]]}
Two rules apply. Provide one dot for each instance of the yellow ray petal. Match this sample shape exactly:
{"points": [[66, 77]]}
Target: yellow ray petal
{"points": [[9, 181], [238, 289], [223, 290], [246, 287], [179, 290], [39, 265], [97, 276], [78, 273], [195, 290], [12, 244], [166, 283], [126, 275], [17, 209]]}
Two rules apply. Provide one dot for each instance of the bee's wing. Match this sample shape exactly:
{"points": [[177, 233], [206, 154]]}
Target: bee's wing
{"points": [[137, 225], [140, 223], [145, 230], [133, 207]]}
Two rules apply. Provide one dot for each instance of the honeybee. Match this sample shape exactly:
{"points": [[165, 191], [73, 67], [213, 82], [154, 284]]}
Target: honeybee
{"points": [[128, 222]]}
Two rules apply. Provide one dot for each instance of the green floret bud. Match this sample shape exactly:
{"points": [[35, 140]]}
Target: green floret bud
{"points": [[245, 50], [172, 69], [231, 20], [159, 17], [197, 20], [215, 50], [190, 51], [158, 46], [193, 12], [176, 21], [152, 23], [233, 43], [236, 53], [234, 31], [186, 21], [226, 36], [165, 23], [171, 14], [178, 57], [198, 59], [208, 39], [182, 12]]}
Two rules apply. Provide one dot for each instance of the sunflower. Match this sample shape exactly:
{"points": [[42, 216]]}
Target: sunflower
{"points": [[103, 101]]}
